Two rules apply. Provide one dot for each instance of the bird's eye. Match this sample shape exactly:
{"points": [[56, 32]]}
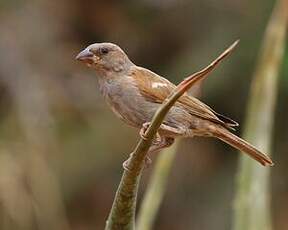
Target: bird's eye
{"points": [[104, 50]]}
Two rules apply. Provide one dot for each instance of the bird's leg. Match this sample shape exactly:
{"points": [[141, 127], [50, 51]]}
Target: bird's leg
{"points": [[177, 131], [158, 143]]}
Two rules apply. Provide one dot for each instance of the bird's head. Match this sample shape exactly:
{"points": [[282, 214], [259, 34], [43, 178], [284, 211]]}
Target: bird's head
{"points": [[104, 57]]}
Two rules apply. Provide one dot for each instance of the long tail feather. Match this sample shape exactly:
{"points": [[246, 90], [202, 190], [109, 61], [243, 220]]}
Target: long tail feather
{"points": [[241, 145]]}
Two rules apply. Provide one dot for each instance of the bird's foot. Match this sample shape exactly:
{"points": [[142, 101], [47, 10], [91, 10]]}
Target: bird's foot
{"points": [[143, 130]]}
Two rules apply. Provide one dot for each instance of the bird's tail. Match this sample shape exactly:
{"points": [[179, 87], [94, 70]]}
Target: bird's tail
{"points": [[240, 144]]}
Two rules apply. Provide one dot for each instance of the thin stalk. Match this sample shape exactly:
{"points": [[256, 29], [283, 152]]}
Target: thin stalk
{"points": [[252, 201], [156, 188]]}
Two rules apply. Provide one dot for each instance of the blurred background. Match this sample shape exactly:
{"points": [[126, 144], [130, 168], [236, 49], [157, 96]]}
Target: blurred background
{"points": [[61, 148]]}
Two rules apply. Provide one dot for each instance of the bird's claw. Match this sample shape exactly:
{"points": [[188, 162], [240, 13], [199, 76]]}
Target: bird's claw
{"points": [[143, 130]]}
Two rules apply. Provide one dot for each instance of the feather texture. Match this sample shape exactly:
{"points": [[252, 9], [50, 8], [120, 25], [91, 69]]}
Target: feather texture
{"points": [[156, 89]]}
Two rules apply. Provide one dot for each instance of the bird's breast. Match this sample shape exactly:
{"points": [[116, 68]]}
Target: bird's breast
{"points": [[123, 99]]}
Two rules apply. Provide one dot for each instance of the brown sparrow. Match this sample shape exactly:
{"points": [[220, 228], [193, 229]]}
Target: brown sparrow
{"points": [[135, 93]]}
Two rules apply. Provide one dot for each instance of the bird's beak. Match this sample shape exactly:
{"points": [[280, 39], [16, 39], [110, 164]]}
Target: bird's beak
{"points": [[85, 56]]}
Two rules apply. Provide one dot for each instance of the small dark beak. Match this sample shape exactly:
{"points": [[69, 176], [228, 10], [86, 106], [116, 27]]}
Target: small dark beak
{"points": [[85, 56]]}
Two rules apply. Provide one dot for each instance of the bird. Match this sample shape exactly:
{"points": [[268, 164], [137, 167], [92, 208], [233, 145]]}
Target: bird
{"points": [[135, 93]]}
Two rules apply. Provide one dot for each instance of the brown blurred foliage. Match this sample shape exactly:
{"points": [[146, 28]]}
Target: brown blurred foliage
{"points": [[61, 153]]}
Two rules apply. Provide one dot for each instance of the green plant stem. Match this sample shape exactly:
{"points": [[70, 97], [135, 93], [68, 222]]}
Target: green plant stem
{"points": [[252, 201], [156, 188], [122, 214]]}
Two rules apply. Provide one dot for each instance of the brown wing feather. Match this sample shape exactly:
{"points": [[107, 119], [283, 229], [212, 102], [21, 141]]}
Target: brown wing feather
{"points": [[156, 89], [145, 79]]}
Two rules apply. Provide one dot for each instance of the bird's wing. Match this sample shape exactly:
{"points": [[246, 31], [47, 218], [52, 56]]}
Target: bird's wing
{"points": [[152, 86], [156, 89]]}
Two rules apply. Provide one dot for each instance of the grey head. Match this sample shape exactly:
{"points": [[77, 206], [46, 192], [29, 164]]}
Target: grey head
{"points": [[105, 58]]}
